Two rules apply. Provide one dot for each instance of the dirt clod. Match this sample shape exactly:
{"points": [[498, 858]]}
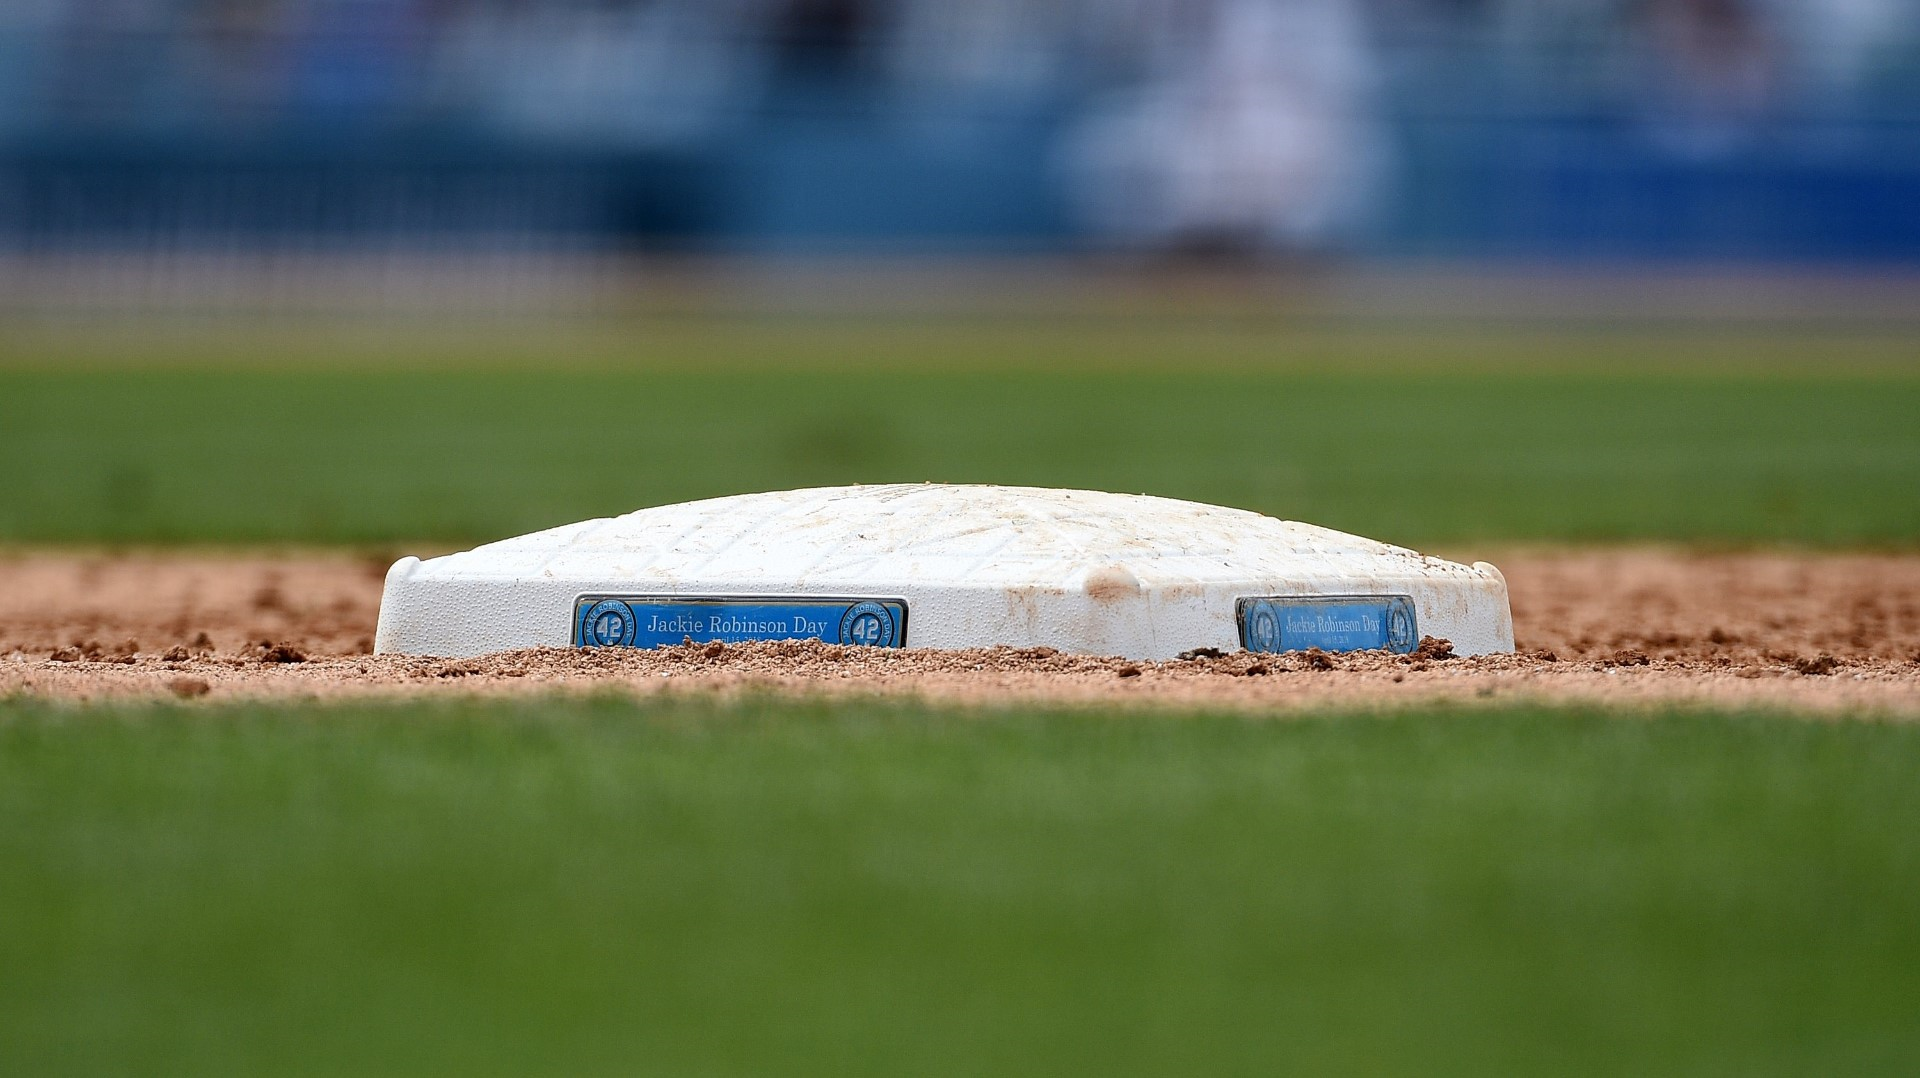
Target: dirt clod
{"points": [[1818, 667], [1128, 671], [267, 651], [1434, 648], [188, 687], [1316, 659]]}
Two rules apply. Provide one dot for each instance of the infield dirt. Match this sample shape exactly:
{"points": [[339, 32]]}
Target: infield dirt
{"points": [[1639, 627]]}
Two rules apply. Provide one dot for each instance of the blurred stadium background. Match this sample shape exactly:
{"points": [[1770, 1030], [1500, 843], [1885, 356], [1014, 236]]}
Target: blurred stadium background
{"points": [[167, 150], [871, 240]]}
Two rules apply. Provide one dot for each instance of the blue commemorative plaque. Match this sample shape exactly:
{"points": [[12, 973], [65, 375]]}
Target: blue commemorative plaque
{"points": [[650, 621], [1328, 622]]}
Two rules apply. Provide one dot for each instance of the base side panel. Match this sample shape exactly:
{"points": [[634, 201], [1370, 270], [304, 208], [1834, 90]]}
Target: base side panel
{"points": [[425, 613]]}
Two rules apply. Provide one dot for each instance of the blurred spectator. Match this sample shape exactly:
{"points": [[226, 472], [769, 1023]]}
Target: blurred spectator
{"points": [[114, 66], [1000, 50], [1842, 40], [609, 73], [1256, 136], [825, 40], [1713, 72], [355, 62], [26, 28], [234, 59]]}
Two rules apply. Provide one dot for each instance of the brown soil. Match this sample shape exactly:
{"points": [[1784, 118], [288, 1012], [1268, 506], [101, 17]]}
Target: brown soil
{"points": [[1824, 633]]}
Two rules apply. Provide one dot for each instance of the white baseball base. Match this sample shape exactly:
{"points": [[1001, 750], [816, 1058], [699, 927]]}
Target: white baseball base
{"points": [[943, 566]]}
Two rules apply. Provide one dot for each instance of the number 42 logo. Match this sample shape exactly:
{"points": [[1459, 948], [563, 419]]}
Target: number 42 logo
{"points": [[870, 625]]}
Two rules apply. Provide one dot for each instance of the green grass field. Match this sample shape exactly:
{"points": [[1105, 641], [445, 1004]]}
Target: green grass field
{"points": [[583, 887], [598, 887], [306, 437]]}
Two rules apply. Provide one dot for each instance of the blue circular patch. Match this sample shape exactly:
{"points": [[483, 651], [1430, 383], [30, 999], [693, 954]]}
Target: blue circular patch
{"points": [[1263, 628], [606, 624], [1400, 626], [869, 625]]}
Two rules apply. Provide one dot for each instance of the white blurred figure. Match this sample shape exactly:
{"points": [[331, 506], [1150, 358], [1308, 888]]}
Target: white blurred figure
{"points": [[1255, 136]]}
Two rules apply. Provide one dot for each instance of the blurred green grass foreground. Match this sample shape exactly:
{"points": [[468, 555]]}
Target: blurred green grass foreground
{"points": [[605, 887], [285, 434]]}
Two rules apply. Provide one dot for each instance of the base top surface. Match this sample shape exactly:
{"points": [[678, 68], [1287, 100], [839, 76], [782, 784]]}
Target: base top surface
{"points": [[931, 533]]}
